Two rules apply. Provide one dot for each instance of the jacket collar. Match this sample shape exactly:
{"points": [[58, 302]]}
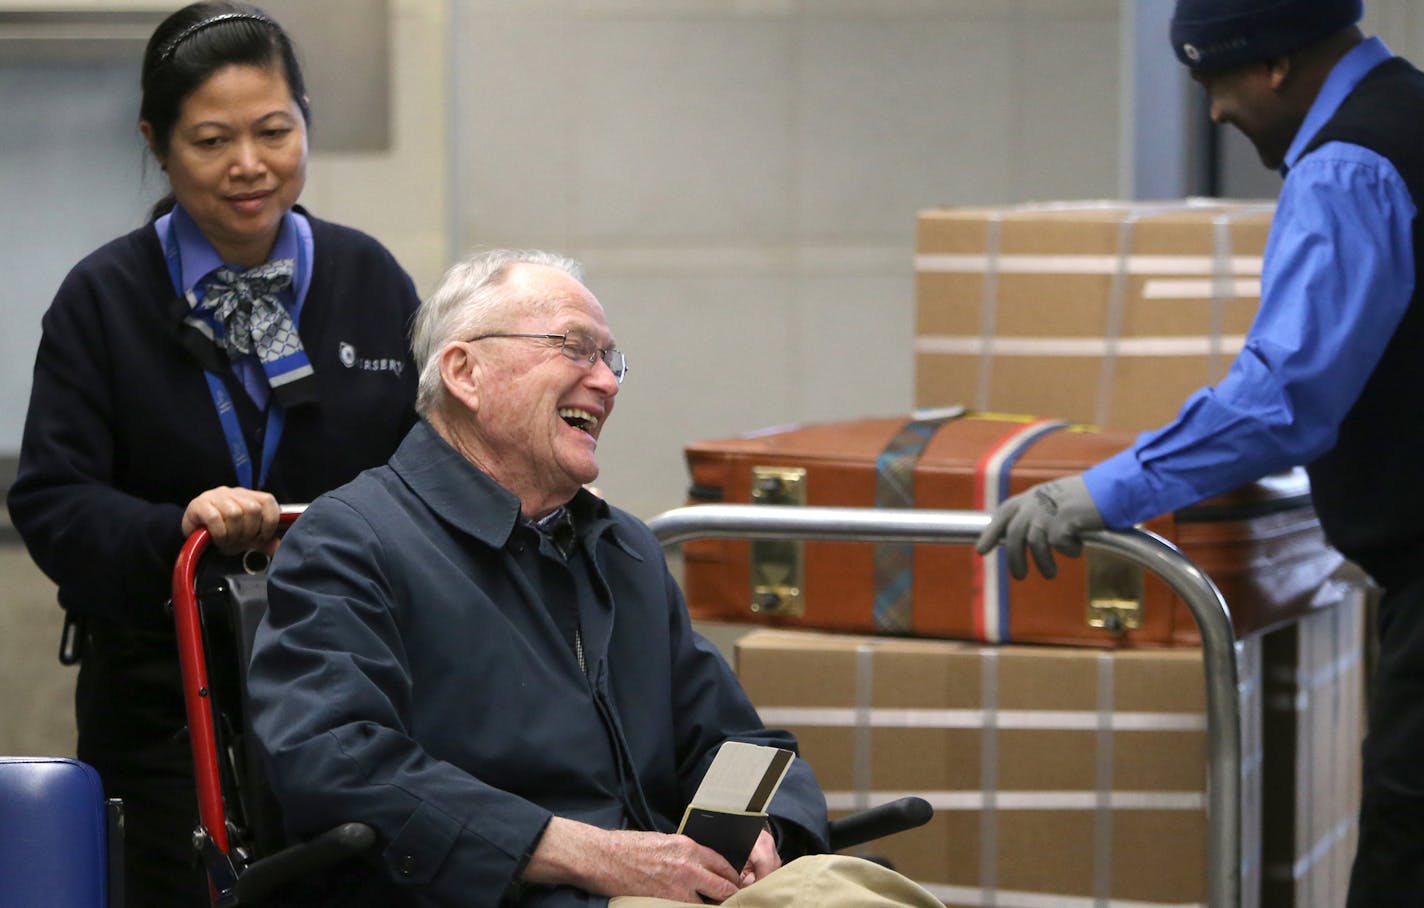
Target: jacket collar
{"points": [[467, 498], [451, 486]]}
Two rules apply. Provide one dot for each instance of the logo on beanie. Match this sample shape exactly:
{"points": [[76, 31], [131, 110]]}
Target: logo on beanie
{"points": [[1213, 52]]}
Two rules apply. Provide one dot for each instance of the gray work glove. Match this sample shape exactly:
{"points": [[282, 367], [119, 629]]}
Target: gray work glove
{"points": [[1051, 515]]}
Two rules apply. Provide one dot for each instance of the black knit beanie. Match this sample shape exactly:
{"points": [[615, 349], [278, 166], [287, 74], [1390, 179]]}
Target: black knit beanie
{"points": [[1220, 34]]}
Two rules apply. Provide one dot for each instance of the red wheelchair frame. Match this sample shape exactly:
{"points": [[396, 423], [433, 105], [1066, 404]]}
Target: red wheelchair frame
{"points": [[237, 874]]}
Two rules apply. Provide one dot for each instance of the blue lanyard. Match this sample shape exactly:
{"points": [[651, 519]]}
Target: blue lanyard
{"points": [[236, 444], [227, 413]]}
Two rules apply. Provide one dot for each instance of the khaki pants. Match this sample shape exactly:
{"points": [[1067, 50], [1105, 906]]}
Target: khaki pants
{"points": [[819, 881]]}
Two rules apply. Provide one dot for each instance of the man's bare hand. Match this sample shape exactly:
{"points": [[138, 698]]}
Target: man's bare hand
{"points": [[625, 862], [763, 860]]}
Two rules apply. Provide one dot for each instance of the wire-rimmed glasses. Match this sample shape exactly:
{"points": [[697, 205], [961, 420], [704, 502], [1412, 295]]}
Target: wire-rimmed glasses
{"points": [[580, 348]]}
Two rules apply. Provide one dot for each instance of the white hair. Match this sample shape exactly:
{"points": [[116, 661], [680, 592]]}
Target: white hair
{"points": [[468, 303]]}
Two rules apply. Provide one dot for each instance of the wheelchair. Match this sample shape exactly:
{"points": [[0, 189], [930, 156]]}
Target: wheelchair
{"points": [[240, 839]]}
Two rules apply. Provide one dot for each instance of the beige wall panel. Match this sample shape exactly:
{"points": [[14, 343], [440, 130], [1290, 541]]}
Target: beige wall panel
{"points": [[742, 179]]}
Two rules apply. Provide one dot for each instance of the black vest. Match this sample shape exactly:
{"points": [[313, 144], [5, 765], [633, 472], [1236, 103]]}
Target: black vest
{"points": [[1369, 488]]}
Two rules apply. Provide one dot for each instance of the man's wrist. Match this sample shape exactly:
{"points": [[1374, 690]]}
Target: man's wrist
{"points": [[563, 854]]}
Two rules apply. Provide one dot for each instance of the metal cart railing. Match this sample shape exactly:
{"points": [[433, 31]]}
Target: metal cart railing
{"points": [[1208, 608]]}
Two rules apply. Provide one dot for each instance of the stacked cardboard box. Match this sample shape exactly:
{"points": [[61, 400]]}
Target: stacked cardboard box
{"points": [[1128, 306], [1055, 772], [1071, 776], [1314, 687], [1062, 775]]}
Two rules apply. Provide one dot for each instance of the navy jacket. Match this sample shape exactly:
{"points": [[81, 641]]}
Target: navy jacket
{"points": [[122, 433], [408, 675]]}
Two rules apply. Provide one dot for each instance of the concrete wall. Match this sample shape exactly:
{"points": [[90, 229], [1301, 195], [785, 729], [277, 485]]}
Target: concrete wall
{"points": [[742, 179]]}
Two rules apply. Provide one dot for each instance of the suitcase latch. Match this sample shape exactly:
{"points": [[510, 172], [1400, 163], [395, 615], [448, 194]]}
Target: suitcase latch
{"points": [[1115, 590], [777, 566]]}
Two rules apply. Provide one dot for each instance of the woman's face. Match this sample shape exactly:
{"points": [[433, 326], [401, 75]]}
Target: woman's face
{"points": [[237, 159]]}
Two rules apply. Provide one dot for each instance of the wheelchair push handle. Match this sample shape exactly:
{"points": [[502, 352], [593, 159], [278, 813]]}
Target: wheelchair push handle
{"points": [[185, 572], [193, 665]]}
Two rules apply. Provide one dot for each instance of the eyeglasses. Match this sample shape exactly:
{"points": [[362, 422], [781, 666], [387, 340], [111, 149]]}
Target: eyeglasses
{"points": [[580, 348]]}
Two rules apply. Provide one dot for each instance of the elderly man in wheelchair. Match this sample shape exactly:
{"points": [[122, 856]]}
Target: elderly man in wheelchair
{"points": [[490, 666]]}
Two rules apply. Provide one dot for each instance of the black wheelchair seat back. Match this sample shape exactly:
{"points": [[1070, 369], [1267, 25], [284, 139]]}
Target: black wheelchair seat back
{"points": [[232, 605], [218, 602]]}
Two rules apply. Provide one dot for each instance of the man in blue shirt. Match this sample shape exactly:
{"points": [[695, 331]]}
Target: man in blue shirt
{"points": [[1330, 373]]}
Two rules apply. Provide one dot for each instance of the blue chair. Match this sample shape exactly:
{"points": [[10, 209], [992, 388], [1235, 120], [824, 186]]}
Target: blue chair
{"points": [[60, 841]]}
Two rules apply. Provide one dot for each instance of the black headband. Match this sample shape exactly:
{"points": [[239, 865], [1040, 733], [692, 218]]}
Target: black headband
{"points": [[196, 27]]}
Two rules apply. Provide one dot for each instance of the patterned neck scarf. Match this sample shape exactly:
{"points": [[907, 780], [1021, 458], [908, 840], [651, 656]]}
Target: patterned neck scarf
{"points": [[251, 315], [255, 321]]}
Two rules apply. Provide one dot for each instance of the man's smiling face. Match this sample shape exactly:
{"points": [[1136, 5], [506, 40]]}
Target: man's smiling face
{"points": [[541, 412]]}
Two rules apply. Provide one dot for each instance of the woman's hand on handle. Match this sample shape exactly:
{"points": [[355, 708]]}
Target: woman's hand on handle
{"points": [[237, 519]]}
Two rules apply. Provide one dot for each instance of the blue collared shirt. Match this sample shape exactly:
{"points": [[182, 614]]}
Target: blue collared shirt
{"points": [[1337, 277], [197, 259]]}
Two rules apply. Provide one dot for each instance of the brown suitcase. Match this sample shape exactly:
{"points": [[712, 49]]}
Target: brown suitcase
{"points": [[1262, 545]]}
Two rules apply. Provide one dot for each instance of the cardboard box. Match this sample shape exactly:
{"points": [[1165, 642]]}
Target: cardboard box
{"points": [[1059, 775], [1108, 313], [1314, 708]]}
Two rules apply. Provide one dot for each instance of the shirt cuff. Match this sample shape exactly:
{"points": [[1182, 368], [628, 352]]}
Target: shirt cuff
{"points": [[792, 841], [1114, 486]]}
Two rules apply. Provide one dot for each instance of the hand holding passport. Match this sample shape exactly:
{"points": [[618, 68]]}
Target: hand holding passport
{"points": [[728, 812]]}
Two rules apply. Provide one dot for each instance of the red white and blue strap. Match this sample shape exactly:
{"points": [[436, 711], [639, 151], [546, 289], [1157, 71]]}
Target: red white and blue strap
{"points": [[991, 489]]}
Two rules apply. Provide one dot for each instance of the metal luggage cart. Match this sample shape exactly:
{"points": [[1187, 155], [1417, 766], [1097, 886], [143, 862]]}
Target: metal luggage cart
{"points": [[1208, 608]]}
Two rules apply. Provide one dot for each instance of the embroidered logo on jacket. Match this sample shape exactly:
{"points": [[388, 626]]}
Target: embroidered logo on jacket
{"points": [[351, 359]]}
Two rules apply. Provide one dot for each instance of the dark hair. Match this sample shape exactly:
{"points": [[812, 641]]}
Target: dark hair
{"points": [[195, 42]]}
